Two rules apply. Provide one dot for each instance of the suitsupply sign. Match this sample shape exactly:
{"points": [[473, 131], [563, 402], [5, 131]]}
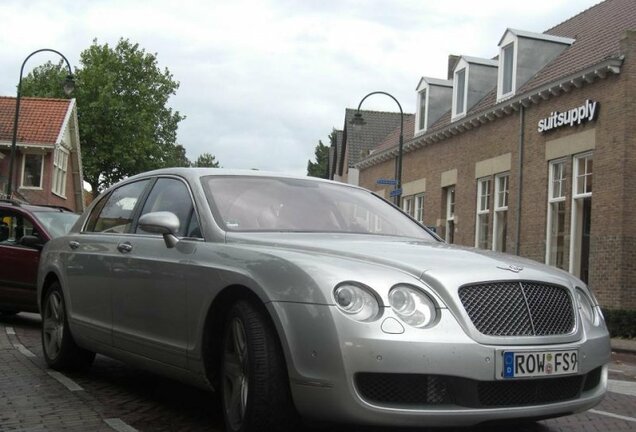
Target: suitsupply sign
{"points": [[575, 116]]}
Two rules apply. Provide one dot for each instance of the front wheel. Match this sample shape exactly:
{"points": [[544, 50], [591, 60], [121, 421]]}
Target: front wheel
{"points": [[60, 350], [255, 384]]}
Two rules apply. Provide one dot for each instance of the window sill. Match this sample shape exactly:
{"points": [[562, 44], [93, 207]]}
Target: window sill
{"points": [[58, 195], [30, 187]]}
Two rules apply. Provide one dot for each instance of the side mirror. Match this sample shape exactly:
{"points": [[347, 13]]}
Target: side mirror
{"points": [[162, 222], [32, 241]]}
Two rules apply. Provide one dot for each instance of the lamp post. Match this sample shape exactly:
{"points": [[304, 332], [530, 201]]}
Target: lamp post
{"points": [[358, 120], [69, 86]]}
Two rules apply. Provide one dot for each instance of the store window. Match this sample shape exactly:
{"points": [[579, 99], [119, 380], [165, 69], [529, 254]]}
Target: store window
{"points": [[581, 215], [32, 166], [407, 205], [555, 250], [60, 166], [418, 212], [449, 235], [500, 225], [482, 231]]}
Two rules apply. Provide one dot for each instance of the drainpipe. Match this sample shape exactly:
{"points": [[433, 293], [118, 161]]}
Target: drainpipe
{"points": [[519, 176]]}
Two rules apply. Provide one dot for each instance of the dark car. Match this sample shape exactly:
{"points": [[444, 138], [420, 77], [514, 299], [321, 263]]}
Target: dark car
{"points": [[24, 229]]}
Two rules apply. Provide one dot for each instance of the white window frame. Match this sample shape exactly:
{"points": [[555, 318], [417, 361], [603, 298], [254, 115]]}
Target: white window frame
{"points": [[407, 205], [576, 217], [554, 199], [422, 114], [450, 213], [512, 44], [60, 171], [455, 113], [24, 156], [418, 208], [480, 209], [500, 208]]}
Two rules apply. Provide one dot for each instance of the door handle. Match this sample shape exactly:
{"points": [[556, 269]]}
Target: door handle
{"points": [[73, 244], [124, 247]]}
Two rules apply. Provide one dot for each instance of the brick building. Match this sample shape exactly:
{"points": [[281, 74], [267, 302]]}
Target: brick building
{"points": [[48, 164], [532, 152]]}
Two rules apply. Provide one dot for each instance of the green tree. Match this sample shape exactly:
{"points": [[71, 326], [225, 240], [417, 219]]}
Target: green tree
{"points": [[125, 124], [206, 160], [319, 168]]}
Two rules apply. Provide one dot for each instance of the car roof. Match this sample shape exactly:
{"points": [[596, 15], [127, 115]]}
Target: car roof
{"points": [[32, 207]]}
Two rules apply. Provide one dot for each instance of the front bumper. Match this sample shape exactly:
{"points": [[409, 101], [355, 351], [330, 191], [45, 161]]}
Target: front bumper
{"points": [[333, 362]]}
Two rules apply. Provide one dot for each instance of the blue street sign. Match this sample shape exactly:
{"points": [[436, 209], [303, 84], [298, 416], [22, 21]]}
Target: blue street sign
{"points": [[396, 192], [386, 181]]}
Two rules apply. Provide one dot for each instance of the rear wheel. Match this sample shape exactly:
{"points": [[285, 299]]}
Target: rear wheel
{"points": [[60, 350], [255, 385]]}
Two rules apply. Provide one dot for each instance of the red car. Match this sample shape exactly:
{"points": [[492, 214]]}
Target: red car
{"points": [[24, 229]]}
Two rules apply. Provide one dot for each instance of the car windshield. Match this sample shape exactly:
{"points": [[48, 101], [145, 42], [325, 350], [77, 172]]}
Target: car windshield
{"points": [[56, 223], [243, 203]]}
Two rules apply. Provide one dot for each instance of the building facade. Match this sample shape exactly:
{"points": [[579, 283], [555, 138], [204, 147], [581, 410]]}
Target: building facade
{"points": [[48, 164], [532, 152]]}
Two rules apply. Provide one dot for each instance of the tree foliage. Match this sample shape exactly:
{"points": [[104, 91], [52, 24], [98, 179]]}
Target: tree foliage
{"points": [[319, 168], [125, 124], [206, 160]]}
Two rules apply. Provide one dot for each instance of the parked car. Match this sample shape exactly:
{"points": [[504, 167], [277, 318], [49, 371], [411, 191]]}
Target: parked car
{"points": [[24, 229], [305, 298]]}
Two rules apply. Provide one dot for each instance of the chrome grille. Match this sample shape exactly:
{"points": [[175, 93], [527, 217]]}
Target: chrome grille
{"points": [[515, 308]]}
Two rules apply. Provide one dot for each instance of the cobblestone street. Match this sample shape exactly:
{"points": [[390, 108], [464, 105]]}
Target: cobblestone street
{"points": [[113, 396]]}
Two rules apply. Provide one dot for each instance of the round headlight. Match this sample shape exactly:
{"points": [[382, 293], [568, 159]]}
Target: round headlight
{"points": [[587, 308], [356, 301], [412, 306]]}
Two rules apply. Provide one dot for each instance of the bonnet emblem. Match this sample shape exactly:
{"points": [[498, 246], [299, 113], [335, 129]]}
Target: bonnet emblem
{"points": [[512, 268]]}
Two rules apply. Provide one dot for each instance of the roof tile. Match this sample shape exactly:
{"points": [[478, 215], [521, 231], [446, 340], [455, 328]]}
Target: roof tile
{"points": [[40, 119]]}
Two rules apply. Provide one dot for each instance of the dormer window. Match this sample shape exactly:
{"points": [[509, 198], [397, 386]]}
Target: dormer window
{"points": [[521, 55], [507, 76], [459, 90], [434, 99], [421, 124]]}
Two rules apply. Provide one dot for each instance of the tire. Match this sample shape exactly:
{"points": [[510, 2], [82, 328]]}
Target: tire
{"points": [[59, 348], [254, 381]]}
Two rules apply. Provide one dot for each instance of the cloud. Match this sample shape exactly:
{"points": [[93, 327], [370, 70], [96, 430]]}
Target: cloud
{"points": [[263, 81]]}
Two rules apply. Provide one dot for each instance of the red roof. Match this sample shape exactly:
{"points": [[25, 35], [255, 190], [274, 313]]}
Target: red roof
{"points": [[40, 121]]}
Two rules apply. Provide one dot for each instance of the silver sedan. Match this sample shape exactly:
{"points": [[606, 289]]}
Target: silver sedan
{"points": [[299, 298]]}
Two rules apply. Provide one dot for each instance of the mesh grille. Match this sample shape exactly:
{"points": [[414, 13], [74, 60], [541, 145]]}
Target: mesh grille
{"points": [[403, 389], [415, 390], [530, 392], [518, 308]]}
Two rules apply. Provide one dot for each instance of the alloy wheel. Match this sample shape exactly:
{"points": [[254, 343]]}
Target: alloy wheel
{"points": [[235, 375], [53, 324]]}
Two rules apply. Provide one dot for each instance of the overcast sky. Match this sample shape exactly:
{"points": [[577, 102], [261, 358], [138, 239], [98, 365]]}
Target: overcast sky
{"points": [[263, 81]]}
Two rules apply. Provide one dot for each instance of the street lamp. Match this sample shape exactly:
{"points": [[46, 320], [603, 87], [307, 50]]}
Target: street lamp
{"points": [[359, 121], [69, 86]]}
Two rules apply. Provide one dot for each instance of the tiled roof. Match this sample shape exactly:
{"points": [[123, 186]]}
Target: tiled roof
{"points": [[393, 138], [597, 33], [360, 140], [40, 119]]}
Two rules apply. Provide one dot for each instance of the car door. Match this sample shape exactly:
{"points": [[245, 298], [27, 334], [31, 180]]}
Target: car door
{"points": [[150, 295], [19, 263], [91, 271]]}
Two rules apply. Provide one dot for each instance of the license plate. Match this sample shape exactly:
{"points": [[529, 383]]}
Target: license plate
{"points": [[539, 363]]}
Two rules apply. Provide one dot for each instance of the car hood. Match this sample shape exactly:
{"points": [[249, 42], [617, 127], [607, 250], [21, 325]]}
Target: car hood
{"points": [[433, 262]]}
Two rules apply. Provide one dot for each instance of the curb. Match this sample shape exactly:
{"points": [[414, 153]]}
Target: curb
{"points": [[625, 346]]}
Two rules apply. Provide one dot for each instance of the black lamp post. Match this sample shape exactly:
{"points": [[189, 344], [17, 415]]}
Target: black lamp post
{"points": [[69, 86], [358, 120]]}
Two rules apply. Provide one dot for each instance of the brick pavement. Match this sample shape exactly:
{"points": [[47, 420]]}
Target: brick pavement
{"points": [[32, 400]]}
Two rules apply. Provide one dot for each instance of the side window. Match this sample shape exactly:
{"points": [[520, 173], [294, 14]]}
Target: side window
{"points": [[172, 195], [114, 214], [14, 226]]}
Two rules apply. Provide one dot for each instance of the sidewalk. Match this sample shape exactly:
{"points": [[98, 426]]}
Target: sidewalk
{"points": [[624, 345], [31, 399]]}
